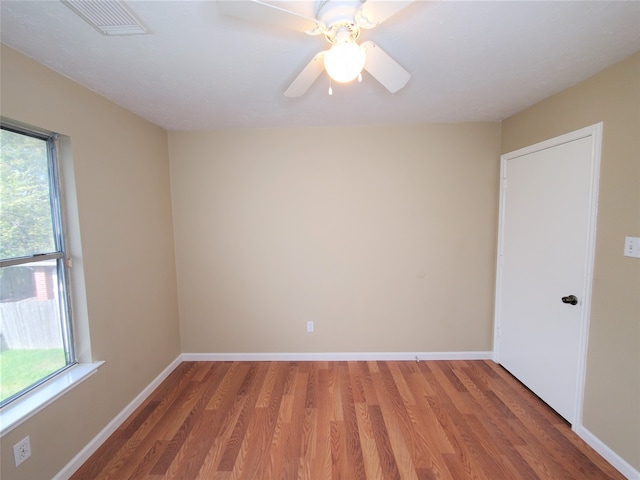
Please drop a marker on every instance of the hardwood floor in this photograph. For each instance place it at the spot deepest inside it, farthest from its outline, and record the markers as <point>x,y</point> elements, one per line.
<point>344,420</point>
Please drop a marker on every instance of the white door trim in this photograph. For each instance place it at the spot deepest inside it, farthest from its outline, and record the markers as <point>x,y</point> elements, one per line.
<point>595,132</point>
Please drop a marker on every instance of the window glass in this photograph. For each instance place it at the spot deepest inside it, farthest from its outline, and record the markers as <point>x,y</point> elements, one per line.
<point>25,210</point>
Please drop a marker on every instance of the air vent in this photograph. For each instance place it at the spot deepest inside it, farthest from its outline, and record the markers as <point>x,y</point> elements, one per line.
<point>109,17</point>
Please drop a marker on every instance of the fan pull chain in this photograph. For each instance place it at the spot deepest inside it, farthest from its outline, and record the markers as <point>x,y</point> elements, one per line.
<point>330,89</point>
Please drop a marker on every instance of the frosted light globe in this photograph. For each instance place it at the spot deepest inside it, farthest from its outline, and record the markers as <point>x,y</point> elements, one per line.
<point>344,61</point>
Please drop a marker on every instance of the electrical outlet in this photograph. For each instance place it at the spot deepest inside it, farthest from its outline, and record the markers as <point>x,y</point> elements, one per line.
<point>22,450</point>
<point>632,247</point>
<point>310,327</point>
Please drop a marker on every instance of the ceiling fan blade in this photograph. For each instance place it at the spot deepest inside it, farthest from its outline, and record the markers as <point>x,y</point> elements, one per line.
<point>265,13</point>
<point>307,76</point>
<point>374,12</point>
<point>384,68</point>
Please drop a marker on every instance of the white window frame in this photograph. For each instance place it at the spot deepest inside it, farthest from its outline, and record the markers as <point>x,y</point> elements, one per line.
<point>22,406</point>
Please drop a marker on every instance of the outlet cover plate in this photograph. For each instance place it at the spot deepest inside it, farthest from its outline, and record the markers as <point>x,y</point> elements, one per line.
<point>22,450</point>
<point>632,247</point>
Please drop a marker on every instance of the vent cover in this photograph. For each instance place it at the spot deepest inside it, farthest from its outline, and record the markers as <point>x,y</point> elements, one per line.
<point>109,17</point>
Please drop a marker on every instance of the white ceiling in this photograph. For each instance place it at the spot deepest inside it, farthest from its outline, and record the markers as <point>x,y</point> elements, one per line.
<point>470,61</point>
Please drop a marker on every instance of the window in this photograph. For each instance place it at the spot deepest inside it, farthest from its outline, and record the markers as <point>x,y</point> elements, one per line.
<point>35,322</point>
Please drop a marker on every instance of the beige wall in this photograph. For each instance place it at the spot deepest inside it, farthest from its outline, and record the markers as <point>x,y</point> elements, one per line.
<point>121,170</point>
<point>612,397</point>
<point>385,237</point>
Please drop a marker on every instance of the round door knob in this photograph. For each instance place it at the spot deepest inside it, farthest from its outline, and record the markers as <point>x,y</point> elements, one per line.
<point>571,300</point>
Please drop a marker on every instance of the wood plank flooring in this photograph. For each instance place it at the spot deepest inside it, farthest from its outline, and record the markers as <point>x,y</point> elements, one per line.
<point>344,420</point>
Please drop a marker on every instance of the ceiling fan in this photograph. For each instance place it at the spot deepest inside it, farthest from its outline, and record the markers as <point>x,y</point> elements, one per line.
<point>340,21</point>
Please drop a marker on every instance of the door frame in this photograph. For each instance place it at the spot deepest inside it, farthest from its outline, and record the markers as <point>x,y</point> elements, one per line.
<point>595,132</point>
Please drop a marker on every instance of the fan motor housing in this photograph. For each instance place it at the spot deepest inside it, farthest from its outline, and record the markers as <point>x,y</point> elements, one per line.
<point>332,12</point>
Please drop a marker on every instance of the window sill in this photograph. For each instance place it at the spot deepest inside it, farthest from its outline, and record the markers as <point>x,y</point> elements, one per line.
<point>27,406</point>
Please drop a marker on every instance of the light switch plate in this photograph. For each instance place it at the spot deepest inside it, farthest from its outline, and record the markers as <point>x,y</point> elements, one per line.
<point>632,247</point>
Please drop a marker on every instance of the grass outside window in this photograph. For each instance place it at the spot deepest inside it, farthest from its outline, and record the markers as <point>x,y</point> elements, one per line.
<point>21,368</point>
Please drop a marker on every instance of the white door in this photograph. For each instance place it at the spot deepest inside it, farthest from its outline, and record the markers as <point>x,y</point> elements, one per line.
<point>545,259</point>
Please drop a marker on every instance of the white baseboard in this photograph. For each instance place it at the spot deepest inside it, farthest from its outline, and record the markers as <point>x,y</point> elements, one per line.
<point>609,455</point>
<point>84,454</point>
<point>341,356</point>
